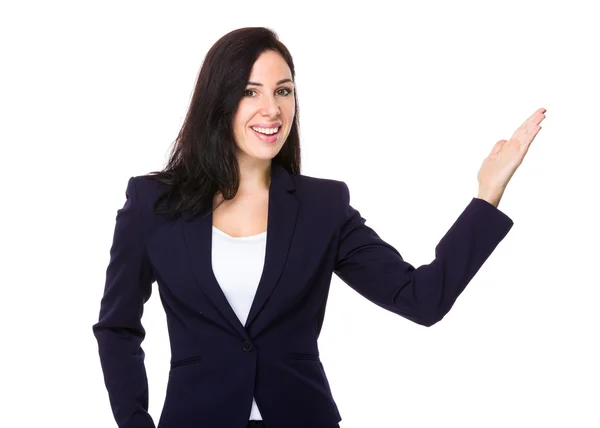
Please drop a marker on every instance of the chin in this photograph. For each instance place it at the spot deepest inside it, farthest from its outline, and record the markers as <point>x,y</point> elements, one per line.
<point>262,154</point>
<point>260,150</point>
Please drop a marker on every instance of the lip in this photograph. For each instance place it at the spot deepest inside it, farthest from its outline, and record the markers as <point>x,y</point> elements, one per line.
<point>267,125</point>
<point>267,138</point>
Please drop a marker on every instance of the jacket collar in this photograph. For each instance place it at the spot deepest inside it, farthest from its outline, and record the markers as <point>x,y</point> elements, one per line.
<point>282,215</point>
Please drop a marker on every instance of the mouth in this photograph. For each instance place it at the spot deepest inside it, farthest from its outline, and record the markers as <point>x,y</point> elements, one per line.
<point>266,134</point>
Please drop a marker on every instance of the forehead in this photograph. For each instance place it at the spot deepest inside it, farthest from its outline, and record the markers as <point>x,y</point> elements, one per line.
<point>269,68</point>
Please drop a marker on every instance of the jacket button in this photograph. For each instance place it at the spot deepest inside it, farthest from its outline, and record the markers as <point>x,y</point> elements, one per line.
<point>247,346</point>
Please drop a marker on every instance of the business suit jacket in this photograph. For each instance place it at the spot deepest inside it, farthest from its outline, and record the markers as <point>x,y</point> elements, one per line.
<point>218,364</point>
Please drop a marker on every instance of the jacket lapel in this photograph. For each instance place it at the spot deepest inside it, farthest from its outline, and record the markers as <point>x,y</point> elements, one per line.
<point>282,215</point>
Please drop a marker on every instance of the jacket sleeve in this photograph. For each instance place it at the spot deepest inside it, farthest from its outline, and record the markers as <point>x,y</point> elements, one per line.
<point>424,295</point>
<point>119,331</point>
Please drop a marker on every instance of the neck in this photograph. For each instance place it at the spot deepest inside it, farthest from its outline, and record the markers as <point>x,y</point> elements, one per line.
<point>255,175</point>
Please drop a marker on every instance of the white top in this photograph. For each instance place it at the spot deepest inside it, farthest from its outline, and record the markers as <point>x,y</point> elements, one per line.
<point>237,263</point>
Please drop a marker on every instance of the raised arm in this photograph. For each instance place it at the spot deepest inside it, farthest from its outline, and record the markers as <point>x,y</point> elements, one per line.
<point>119,331</point>
<point>424,295</point>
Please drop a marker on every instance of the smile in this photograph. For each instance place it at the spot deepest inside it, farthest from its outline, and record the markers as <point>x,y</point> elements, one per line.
<point>267,138</point>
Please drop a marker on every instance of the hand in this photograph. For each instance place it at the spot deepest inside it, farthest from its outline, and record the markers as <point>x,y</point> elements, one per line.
<point>506,156</point>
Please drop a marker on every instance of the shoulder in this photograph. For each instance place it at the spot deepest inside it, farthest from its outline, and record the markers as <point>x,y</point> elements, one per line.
<point>323,194</point>
<point>143,191</point>
<point>327,193</point>
<point>146,187</point>
<point>319,187</point>
<point>318,184</point>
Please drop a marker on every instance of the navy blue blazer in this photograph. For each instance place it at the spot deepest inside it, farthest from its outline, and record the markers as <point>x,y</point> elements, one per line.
<point>217,363</point>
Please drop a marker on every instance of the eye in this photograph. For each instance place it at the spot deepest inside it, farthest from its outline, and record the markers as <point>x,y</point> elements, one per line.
<point>286,92</point>
<point>289,91</point>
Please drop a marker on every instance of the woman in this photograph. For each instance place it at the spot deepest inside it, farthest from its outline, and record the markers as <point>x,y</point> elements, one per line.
<point>243,248</point>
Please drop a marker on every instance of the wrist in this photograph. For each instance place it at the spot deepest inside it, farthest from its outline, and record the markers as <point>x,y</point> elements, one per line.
<point>492,196</point>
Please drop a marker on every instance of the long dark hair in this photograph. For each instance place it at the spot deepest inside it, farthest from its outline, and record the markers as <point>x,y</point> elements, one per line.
<point>203,160</point>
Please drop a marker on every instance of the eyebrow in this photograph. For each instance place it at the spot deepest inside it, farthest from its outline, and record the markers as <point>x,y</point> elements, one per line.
<point>278,83</point>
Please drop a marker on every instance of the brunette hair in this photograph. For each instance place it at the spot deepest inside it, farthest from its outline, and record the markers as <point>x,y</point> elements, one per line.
<point>203,159</point>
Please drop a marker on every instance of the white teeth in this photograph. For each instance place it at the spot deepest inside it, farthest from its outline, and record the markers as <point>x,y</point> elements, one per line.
<point>267,131</point>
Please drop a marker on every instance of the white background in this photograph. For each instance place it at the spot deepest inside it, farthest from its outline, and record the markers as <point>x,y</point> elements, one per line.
<point>402,102</point>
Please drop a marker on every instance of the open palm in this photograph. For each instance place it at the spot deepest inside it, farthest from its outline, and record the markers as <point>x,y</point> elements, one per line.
<point>506,156</point>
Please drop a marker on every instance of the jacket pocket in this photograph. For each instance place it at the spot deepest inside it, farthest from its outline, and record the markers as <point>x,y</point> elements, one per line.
<point>301,356</point>
<point>186,361</point>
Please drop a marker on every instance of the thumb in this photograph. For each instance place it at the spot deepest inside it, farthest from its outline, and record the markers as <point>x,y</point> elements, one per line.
<point>497,147</point>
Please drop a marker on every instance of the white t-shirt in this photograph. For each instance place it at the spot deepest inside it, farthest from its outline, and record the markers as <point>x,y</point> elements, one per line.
<point>237,263</point>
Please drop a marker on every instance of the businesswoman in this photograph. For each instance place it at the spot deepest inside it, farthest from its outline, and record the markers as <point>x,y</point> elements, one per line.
<point>242,247</point>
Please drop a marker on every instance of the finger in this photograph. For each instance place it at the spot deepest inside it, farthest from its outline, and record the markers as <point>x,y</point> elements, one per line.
<point>523,136</point>
<point>535,132</point>
<point>539,115</point>
<point>536,117</point>
<point>529,128</point>
<point>532,136</point>
<point>535,125</point>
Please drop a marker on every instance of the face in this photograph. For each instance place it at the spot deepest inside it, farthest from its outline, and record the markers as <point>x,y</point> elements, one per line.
<point>268,104</point>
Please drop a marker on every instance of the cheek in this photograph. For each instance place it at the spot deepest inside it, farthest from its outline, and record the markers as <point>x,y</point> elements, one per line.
<point>242,117</point>
<point>288,111</point>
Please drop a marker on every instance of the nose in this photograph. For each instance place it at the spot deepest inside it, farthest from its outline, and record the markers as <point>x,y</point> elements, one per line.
<point>270,107</point>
